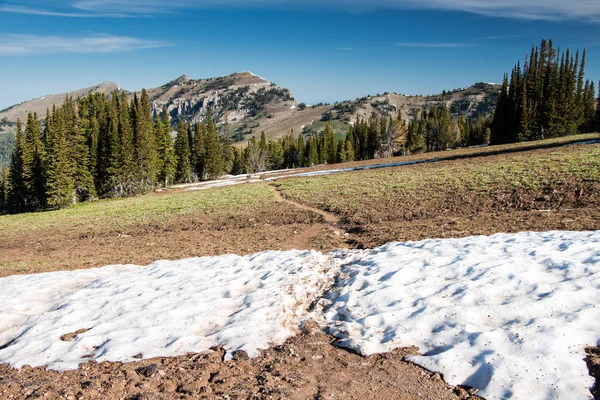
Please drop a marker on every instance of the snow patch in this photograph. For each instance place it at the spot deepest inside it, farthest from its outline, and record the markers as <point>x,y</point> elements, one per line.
<point>167,308</point>
<point>509,314</point>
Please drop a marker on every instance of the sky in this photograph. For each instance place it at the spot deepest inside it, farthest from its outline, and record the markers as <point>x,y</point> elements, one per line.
<point>322,50</point>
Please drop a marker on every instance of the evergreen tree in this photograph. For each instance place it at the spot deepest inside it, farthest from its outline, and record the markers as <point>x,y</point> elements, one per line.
<point>33,163</point>
<point>588,108</point>
<point>199,150</point>
<point>598,110</point>
<point>238,163</point>
<point>60,187</point>
<point>183,171</point>
<point>329,146</point>
<point>167,162</point>
<point>349,145</point>
<point>17,199</point>
<point>145,144</point>
<point>299,154</point>
<point>276,156</point>
<point>340,155</point>
<point>125,170</point>
<point>213,151</point>
<point>228,152</point>
<point>4,188</point>
<point>79,154</point>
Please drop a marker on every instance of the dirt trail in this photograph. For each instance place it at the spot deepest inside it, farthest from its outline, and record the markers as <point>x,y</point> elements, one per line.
<point>330,222</point>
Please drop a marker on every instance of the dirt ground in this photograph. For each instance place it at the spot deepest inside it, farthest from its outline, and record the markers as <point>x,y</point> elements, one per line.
<point>305,367</point>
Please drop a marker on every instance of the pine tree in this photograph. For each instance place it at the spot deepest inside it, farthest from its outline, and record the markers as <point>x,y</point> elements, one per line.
<point>79,153</point>
<point>229,153</point>
<point>300,150</point>
<point>182,154</point>
<point>33,163</point>
<point>276,156</point>
<point>414,141</point>
<point>145,145</point>
<point>4,188</point>
<point>340,155</point>
<point>588,108</point>
<point>17,199</point>
<point>329,146</point>
<point>60,187</point>
<point>199,150</point>
<point>167,162</point>
<point>125,169</point>
<point>213,151</point>
<point>238,163</point>
<point>349,145</point>
<point>372,138</point>
<point>598,110</point>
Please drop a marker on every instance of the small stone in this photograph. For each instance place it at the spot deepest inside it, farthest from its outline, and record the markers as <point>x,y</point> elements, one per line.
<point>240,355</point>
<point>461,393</point>
<point>148,371</point>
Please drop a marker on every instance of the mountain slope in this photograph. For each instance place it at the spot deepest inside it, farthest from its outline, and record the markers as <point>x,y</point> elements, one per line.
<point>244,105</point>
<point>41,104</point>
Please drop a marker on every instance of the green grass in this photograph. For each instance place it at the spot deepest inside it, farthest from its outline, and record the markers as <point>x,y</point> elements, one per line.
<point>117,214</point>
<point>485,176</point>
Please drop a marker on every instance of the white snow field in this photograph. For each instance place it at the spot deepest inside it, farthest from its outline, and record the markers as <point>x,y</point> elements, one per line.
<point>509,314</point>
<point>168,308</point>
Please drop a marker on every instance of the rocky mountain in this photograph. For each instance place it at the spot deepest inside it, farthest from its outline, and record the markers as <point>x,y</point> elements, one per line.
<point>244,105</point>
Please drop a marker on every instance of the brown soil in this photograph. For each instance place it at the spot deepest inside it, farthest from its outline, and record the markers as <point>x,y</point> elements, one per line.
<point>244,230</point>
<point>428,212</point>
<point>305,367</point>
<point>593,362</point>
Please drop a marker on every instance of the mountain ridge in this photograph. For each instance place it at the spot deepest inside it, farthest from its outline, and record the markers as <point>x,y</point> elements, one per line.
<point>244,104</point>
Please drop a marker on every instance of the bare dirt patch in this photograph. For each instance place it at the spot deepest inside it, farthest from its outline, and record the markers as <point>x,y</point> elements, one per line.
<point>593,362</point>
<point>531,191</point>
<point>153,231</point>
<point>305,367</point>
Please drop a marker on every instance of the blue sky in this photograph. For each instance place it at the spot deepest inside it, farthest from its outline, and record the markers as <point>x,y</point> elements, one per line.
<point>323,50</point>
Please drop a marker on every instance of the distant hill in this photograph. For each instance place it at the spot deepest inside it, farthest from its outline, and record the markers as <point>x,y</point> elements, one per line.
<point>251,104</point>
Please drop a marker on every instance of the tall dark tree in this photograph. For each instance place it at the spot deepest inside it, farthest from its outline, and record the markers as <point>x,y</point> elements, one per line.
<point>167,162</point>
<point>33,163</point>
<point>213,153</point>
<point>182,154</point>
<point>146,157</point>
<point>60,187</point>
<point>17,198</point>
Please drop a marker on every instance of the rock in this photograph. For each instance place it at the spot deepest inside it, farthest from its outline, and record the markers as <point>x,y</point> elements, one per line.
<point>148,371</point>
<point>240,355</point>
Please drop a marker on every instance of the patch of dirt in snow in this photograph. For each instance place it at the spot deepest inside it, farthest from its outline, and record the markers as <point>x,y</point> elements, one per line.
<point>306,366</point>
<point>593,363</point>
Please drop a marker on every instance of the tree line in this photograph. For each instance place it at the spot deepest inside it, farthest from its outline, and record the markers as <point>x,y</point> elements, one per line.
<point>546,97</point>
<point>113,146</point>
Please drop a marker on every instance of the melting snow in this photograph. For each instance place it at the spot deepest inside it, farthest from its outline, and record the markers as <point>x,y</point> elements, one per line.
<point>165,309</point>
<point>509,314</point>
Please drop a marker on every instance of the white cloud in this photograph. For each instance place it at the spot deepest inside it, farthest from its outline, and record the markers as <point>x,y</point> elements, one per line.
<point>39,11</point>
<point>434,45</point>
<point>588,10</point>
<point>17,45</point>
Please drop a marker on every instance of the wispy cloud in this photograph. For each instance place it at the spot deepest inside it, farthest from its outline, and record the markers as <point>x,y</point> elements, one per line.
<point>345,49</point>
<point>20,45</point>
<point>434,45</point>
<point>39,11</point>
<point>553,10</point>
